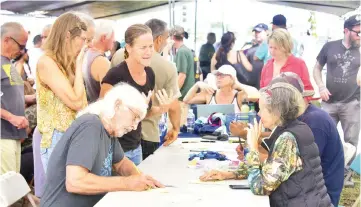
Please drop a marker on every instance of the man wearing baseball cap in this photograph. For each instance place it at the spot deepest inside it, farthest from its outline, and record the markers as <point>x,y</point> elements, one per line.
<point>279,21</point>
<point>326,137</point>
<point>262,53</point>
<point>341,93</point>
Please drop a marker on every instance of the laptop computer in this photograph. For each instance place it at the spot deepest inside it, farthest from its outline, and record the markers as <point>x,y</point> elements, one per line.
<point>204,110</point>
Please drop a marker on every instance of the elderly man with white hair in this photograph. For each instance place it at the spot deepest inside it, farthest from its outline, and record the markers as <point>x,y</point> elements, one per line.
<point>80,170</point>
<point>96,65</point>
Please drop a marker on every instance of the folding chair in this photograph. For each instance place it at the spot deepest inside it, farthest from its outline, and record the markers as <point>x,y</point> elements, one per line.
<point>13,187</point>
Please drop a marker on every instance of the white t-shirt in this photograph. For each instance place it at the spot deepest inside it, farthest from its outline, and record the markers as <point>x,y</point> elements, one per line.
<point>34,55</point>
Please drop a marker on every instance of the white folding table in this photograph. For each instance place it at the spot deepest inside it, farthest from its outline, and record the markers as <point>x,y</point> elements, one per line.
<point>169,165</point>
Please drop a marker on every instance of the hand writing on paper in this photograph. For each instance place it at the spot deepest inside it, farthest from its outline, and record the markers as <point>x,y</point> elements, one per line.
<point>141,182</point>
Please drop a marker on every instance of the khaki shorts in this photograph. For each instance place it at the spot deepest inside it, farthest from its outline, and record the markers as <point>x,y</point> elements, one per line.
<point>10,150</point>
<point>184,113</point>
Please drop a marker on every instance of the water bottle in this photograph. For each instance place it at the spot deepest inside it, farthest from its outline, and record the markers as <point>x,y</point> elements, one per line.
<point>243,116</point>
<point>190,121</point>
<point>161,124</point>
<point>252,114</point>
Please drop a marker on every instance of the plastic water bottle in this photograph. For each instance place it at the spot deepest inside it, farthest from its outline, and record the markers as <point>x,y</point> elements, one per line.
<point>243,116</point>
<point>161,124</point>
<point>252,114</point>
<point>190,121</point>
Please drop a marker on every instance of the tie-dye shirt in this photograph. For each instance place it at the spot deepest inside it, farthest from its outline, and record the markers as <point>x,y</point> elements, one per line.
<point>266,177</point>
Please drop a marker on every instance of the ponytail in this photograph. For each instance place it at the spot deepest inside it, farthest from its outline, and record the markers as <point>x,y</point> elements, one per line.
<point>221,57</point>
<point>227,42</point>
<point>126,54</point>
<point>185,35</point>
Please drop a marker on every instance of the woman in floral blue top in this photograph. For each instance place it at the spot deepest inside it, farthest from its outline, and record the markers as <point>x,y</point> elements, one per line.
<point>286,175</point>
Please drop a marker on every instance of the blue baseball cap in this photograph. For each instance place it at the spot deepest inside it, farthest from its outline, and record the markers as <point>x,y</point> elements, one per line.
<point>279,20</point>
<point>260,27</point>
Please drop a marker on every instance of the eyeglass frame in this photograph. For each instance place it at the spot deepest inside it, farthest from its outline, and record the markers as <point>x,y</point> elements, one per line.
<point>21,47</point>
<point>358,33</point>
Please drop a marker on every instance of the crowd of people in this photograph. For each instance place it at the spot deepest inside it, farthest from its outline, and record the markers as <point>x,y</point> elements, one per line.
<point>81,121</point>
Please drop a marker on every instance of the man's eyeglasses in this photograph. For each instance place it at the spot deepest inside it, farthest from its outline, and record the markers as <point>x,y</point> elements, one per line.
<point>21,47</point>
<point>136,116</point>
<point>358,33</point>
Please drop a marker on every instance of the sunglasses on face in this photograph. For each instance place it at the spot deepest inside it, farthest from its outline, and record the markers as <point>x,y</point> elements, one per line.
<point>221,75</point>
<point>21,47</point>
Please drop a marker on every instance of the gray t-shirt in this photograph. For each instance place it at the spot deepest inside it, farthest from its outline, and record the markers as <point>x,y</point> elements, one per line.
<point>342,67</point>
<point>12,100</point>
<point>87,144</point>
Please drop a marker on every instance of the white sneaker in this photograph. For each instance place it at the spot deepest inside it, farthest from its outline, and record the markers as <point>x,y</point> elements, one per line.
<point>349,152</point>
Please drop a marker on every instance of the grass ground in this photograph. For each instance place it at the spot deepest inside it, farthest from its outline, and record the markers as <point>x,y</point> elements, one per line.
<point>349,195</point>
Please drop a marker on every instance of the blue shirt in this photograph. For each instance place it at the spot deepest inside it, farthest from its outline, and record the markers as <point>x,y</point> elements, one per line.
<point>330,147</point>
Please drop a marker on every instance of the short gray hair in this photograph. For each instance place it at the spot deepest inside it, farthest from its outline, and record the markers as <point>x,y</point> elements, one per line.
<point>88,20</point>
<point>47,27</point>
<point>121,91</point>
<point>103,27</point>
<point>11,27</point>
<point>284,101</point>
<point>157,26</point>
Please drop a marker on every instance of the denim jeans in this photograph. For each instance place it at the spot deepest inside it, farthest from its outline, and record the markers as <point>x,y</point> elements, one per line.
<point>149,148</point>
<point>46,152</point>
<point>135,155</point>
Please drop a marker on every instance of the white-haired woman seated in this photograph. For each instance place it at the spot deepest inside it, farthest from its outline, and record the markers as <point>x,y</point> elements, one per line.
<point>292,173</point>
<point>80,168</point>
<point>228,91</point>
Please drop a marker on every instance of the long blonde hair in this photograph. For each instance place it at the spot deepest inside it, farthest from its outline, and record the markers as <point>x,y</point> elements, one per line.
<point>56,47</point>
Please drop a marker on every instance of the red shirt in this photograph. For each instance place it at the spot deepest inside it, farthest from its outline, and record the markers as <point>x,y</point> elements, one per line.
<point>293,64</point>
